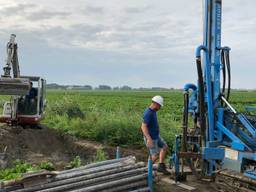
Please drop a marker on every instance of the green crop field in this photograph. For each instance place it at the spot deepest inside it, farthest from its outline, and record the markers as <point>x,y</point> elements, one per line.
<point>114,117</point>
<point>110,117</point>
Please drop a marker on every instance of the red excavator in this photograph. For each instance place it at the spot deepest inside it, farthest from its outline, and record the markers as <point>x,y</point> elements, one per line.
<point>27,93</point>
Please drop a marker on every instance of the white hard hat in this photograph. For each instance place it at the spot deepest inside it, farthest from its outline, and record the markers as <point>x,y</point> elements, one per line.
<point>158,99</point>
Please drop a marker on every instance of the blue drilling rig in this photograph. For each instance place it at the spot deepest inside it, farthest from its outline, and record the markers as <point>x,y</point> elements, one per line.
<point>215,136</point>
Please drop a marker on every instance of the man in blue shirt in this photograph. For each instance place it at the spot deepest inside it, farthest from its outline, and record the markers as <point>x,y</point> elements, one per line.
<point>150,128</point>
<point>32,94</point>
<point>31,100</point>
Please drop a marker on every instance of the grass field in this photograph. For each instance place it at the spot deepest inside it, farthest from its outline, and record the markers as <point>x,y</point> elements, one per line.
<point>114,117</point>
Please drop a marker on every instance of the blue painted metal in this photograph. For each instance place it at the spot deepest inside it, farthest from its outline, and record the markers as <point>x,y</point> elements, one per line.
<point>221,121</point>
<point>251,174</point>
<point>213,153</point>
<point>238,135</point>
<point>118,155</point>
<point>190,86</point>
<point>215,53</point>
<point>176,157</point>
<point>236,142</point>
<point>193,104</point>
<point>247,125</point>
<point>150,174</point>
<point>216,130</point>
<point>249,141</point>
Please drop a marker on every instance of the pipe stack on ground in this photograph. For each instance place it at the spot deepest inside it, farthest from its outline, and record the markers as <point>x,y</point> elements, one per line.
<point>107,176</point>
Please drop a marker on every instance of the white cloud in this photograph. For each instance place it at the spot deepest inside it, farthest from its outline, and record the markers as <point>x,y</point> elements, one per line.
<point>106,37</point>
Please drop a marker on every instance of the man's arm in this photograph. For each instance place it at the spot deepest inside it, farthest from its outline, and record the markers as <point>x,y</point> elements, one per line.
<point>144,129</point>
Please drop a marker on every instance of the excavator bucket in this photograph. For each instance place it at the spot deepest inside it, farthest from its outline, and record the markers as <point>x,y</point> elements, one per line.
<point>14,86</point>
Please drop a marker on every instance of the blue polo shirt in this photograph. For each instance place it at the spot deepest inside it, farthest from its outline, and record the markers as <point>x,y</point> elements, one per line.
<point>150,119</point>
<point>32,93</point>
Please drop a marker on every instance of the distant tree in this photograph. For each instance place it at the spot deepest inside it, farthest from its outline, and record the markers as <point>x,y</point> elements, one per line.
<point>55,86</point>
<point>115,88</point>
<point>125,87</point>
<point>104,87</point>
<point>159,89</point>
<point>87,87</point>
<point>143,89</point>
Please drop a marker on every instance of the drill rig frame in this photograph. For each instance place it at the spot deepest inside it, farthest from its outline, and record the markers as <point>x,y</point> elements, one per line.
<point>220,138</point>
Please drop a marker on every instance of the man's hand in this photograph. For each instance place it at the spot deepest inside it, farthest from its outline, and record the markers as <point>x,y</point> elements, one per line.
<point>149,143</point>
<point>144,129</point>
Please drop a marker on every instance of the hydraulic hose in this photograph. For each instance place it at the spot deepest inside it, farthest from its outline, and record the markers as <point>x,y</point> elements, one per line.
<point>185,121</point>
<point>229,73</point>
<point>223,72</point>
<point>201,100</point>
<point>226,69</point>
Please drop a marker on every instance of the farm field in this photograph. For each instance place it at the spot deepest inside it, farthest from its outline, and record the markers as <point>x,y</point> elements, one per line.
<point>114,117</point>
<point>101,120</point>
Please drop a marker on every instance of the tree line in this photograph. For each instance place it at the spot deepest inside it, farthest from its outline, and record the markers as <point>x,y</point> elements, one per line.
<point>103,87</point>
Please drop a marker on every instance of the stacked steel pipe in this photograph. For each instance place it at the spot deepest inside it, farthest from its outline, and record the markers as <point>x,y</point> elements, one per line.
<point>107,176</point>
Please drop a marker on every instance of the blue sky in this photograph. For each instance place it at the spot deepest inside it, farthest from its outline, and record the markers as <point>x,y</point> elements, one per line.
<point>140,43</point>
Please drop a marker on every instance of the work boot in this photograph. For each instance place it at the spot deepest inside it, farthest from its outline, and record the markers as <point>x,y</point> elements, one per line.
<point>162,168</point>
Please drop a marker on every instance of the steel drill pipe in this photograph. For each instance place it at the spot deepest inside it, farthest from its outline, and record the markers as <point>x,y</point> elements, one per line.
<point>112,184</point>
<point>96,181</point>
<point>102,163</point>
<point>92,170</point>
<point>83,178</point>
<point>145,189</point>
<point>129,186</point>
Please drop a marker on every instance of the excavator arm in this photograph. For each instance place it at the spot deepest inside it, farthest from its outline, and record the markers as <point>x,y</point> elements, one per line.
<point>13,84</point>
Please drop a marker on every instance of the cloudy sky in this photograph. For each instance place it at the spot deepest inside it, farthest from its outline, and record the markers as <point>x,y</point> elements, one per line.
<point>140,43</point>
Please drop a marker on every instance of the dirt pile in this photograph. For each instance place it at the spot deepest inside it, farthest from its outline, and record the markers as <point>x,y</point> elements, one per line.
<point>41,145</point>
<point>38,145</point>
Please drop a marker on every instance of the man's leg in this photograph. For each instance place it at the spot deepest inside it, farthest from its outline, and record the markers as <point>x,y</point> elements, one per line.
<point>153,151</point>
<point>163,150</point>
<point>162,154</point>
<point>154,158</point>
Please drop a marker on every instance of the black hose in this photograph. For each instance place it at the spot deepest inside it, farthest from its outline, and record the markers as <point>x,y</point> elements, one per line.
<point>185,121</point>
<point>201,109</point>
<point>223,61</point>
<point>229,74</point>
<point>201,100</point>
<point>223,72</point>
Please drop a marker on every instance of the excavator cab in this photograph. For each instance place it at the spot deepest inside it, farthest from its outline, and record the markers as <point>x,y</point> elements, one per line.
<point>30,110</point>
<point>27,103</point>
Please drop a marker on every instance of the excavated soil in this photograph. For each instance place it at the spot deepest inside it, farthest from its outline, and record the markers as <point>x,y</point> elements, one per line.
<point>45,144</point>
